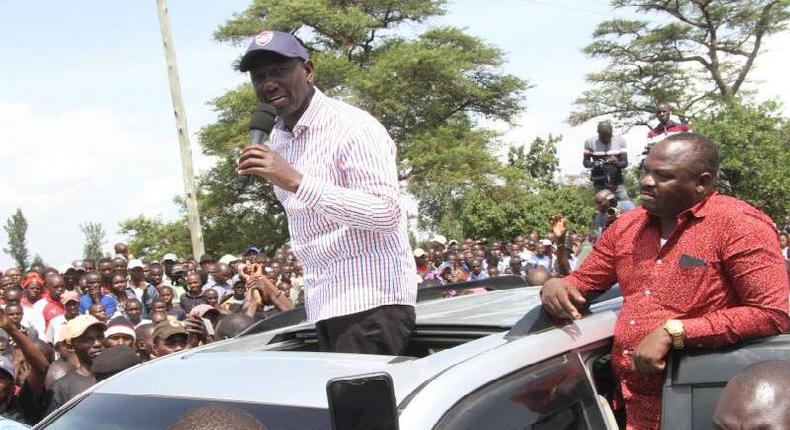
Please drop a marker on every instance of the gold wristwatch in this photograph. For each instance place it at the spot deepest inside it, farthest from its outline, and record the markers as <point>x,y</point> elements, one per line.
<point>675,330</point>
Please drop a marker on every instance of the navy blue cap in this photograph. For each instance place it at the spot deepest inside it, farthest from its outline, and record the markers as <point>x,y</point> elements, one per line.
<point>278,42</point>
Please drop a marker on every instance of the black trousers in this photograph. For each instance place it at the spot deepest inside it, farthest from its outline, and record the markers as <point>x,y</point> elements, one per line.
<point>384,330</point>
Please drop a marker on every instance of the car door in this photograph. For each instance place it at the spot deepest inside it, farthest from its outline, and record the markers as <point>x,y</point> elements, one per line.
<point>554,394</point>
<point>695,379</point>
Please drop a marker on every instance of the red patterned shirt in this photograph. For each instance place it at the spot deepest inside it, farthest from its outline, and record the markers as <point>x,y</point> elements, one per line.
<point>720,272</point>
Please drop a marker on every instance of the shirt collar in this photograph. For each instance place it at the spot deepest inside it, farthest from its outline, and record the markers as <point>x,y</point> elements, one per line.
<point>308,118</point>
<point>701,209</point>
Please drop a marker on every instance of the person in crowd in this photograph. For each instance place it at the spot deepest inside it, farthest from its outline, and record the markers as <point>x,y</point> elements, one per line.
<point>99,312</point>
<point>214,416</point>
<point>179,273</point>
<point>105,270</point>
<point>193,296</point>
<point>89,265</point>
<point>172,308</point>
<point>119,266</point>
<point>114,359</point>
<point>231,325</point>
<point>221,286</point>
<point>236,301</point>
<point>696,270</point>
<point>168,261</point>
<point>137,281</point>
<point>33,286</point>
<point>144,341</point>
<point>159,316</point>
<point>537,276</point>
<point>758,397</point>
<point>784,245</point>
<point>476,270</point>
<point>71,302</point>
<point>606,155</point>
<point>27,405</point>
<point>543,257</point>
<point>52,307</point>
<point>609,209</point>
<point>122,250</point>
<point>83,337</point>
<point>665,126</point>
<point>119,332</point>
<point>95,296</point>
<point>169,337</point>
<point>210,297</point>
<point>12,296</point>
<point>16,277</point>
<point>515,267</point>
<point>359,201</point>
<point>133,312</point>
<point>121,292</point>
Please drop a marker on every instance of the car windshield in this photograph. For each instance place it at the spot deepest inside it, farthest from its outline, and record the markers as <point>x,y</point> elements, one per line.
<point>123,412</point>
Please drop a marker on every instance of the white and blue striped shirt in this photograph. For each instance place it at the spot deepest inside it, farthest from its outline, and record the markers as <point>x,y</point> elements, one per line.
<point>347,222</point>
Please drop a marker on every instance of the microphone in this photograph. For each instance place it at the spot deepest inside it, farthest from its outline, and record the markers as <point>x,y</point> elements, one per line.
<point>261,124</point>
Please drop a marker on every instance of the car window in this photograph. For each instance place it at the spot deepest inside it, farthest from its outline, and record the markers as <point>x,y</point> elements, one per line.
<point>553,394</point>
<point>124,412</point>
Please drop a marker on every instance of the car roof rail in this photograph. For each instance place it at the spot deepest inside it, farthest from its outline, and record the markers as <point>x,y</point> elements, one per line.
<point>537,320</point>
<point>276,321</point>
<point>506,282</point>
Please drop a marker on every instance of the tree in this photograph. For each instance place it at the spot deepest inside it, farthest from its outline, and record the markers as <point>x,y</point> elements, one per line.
<point>94,240</point>
<point>540,163</point>
<point>427,91</point>
<point>16,229</point>
<point>698,56</point>
<point>153,238</point>
<point>38,261</point>
<point>754,145</point>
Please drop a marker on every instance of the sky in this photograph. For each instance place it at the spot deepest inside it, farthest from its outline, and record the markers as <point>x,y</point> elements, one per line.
<point>86,125</point>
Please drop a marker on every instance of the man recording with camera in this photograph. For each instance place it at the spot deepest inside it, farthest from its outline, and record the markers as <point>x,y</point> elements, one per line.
<point>606,155</point>
<point>609,209</point>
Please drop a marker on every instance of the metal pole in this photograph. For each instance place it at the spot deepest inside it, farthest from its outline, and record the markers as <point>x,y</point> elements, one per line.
<point>193,218</point>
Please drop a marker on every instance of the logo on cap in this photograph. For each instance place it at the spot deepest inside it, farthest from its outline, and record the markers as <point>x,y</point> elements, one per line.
<point>264,38</point>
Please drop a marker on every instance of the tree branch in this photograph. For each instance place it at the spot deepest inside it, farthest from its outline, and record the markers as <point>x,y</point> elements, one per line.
<point>758,37</point>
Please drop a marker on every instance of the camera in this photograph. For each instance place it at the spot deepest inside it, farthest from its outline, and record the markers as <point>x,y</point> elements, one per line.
<point>613,213</point>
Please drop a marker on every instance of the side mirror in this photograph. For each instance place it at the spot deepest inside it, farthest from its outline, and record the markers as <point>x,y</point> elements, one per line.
<point>362,402</point>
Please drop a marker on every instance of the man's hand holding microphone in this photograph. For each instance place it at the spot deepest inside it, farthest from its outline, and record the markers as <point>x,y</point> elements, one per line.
<point>258,159</point>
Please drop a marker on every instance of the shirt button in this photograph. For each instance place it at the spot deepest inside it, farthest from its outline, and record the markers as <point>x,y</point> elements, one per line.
<point>625,352</point>
<point>632,322</point>
<point>659,261</point>
<point>647,293</point>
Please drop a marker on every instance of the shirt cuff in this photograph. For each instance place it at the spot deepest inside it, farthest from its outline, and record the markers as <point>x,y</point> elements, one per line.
<point>696,331</point>
<point>310,191</point>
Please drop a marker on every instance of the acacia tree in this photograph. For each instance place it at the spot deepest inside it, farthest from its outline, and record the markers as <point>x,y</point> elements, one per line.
<point>427,91</point>
<point>16,229</point>
<point>697,57</point>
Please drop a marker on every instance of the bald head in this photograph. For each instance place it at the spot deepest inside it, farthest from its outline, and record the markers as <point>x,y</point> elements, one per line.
<point>756,398</point>
<point>232,325</point>
<point>538,276</point>
<point>603,195</point>
<point>697,150</point>
<point>217,416</point>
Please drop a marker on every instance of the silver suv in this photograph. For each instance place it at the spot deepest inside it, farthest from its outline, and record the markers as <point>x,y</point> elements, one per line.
<point>490,360</point>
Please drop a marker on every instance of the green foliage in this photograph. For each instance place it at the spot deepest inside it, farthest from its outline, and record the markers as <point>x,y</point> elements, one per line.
<point>504,212</point>
<point>153,238</point>
<point>540,163</point>
<point>426,91</point>
<point>754,145</point>
<point>16,229</point>
<point>38,261</point>
<point>697,56</point>
<point>94,240</point>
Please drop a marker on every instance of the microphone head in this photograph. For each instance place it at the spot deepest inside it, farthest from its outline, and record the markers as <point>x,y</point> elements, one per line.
<point>263,118</point>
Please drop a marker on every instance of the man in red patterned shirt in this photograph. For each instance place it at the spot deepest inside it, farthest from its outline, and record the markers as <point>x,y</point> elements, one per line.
<point>696,269</point>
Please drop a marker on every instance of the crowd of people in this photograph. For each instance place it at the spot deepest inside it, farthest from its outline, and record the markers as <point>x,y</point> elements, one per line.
<point>63,330</point>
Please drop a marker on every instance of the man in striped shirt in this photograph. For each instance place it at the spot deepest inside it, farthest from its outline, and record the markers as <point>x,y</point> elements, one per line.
<point>333,169</point>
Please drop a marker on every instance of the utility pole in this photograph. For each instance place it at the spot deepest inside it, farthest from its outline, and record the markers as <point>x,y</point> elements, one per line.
<point>190,192</point>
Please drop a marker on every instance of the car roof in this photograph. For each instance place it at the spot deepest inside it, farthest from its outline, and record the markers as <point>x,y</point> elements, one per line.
<point>299,378</point>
